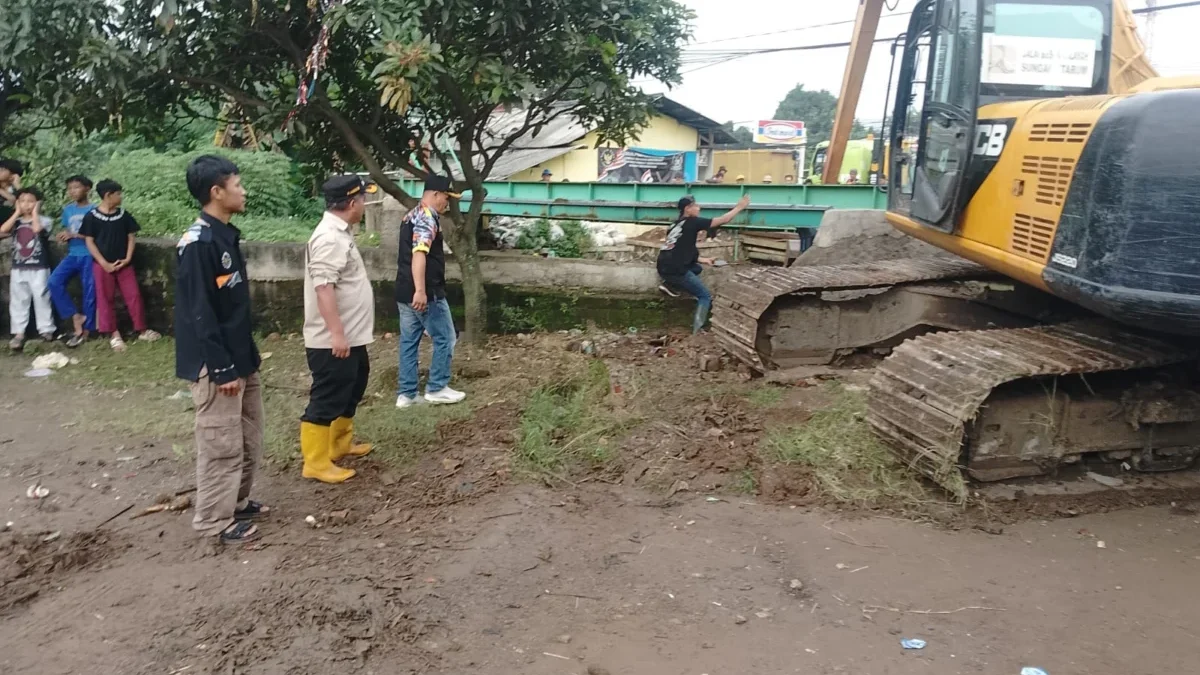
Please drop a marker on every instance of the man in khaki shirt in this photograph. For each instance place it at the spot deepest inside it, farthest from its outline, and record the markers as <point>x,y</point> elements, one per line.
<point>339,323</point>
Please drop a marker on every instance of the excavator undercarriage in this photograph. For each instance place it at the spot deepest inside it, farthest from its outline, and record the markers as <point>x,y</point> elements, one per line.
<point>985,376</point>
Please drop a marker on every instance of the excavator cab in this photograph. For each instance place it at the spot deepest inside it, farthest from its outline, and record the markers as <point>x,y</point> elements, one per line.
<point>1029,49</point>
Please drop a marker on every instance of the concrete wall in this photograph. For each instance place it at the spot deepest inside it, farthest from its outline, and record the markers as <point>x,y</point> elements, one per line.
<point>624,292</point>
<point>754,164</point>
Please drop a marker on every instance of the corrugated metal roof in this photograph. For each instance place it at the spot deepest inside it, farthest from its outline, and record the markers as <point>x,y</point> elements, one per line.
<point>558,137</point>
<point>562,135</point>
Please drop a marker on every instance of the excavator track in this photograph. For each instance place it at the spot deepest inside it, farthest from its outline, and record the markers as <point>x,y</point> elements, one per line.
<point>744,298</point>
<point>926,396</point>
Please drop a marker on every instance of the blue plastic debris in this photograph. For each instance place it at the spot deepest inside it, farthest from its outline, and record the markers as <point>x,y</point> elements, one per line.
<point>914,643</point>
<point>1033,671</point>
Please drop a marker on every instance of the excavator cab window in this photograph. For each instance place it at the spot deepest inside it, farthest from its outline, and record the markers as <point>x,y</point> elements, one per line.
<point>1045,49</point>
<point>946,33</point>
<point>960,54</point>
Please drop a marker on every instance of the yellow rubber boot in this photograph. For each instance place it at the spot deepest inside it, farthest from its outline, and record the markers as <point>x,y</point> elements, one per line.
<point>315,446</point>
<point>342,433</point>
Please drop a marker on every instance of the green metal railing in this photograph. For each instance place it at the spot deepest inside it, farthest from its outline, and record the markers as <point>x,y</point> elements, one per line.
<point>772,207</point>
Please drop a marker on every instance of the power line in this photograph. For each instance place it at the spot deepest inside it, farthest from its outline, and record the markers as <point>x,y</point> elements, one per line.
<point>719,57</point>
<point>791,30</point>
<point>1162,8</point>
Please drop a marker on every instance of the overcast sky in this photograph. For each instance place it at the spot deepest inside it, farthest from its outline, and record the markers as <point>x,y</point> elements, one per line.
<point>751,87</point>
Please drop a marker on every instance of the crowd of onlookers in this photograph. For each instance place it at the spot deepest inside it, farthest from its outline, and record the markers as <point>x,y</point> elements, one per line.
<point>100,241</point>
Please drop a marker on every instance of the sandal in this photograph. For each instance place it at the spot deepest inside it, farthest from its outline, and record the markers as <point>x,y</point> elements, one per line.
<point>76,340</point>
<point>239,533</point>
<point>117,343</point>
<point>17,343</point>
<point>253,511</point>
<point>149,336</point>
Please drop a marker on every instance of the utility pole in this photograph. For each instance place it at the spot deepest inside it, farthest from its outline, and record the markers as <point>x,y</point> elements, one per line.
<point>1151,5</point>
<point>865,26</point>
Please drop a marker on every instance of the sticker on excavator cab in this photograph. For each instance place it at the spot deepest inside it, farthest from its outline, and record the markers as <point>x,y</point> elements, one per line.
<point>1065,260</point>
<point>990,138</point>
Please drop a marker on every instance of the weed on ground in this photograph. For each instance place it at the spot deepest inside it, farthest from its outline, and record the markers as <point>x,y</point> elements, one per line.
<point>847,462</point>
<point>568,423</point>
<point>765,396</point>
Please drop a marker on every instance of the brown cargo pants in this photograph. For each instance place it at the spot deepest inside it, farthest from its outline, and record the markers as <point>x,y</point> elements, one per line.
<point>229,444</point>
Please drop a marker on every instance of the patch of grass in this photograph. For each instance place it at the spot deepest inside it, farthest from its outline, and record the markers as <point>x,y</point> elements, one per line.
<point>400,436</point>
<point>746,482</point>
<point>567,422</point>
<point>849,463</point>
<point>143,364</point>
<point>765,396</point>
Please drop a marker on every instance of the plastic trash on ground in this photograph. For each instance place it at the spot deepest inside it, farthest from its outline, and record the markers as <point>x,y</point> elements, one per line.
<point>53,360</point>
<point>914,643</point>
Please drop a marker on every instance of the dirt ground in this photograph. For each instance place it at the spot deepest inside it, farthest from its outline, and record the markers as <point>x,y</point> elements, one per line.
<point>602,506</point>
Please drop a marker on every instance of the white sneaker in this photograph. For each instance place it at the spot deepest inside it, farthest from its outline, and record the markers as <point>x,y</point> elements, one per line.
<point>403,401</point>
<point>444,396</point>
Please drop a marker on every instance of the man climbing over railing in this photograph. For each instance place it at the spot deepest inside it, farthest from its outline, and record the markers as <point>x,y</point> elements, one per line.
<point>679,261</point>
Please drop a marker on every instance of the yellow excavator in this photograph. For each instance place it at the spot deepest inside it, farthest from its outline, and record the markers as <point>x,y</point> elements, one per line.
<point>1059,171</point>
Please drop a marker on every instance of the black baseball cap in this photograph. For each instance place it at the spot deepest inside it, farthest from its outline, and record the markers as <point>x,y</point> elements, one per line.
<point>685,202</point>
<point>343,187</point>
<point>436,183</point>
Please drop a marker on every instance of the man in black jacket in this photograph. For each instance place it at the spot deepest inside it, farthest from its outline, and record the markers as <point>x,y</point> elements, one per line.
<point>215,351</point>
<point>421,297</point>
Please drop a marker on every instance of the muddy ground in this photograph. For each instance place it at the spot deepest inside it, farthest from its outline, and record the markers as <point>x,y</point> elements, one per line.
<point>602,505</point>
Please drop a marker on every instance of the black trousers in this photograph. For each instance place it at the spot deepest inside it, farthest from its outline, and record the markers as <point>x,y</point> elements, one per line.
<point>338,385</point>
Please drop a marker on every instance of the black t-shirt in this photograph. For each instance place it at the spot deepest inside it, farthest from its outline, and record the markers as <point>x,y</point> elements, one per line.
<point>111,232</point>
<point>421,232</point>
<point>679,252</point>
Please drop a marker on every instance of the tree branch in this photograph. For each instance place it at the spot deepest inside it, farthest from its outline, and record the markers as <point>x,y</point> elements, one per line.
<point>346,130</point>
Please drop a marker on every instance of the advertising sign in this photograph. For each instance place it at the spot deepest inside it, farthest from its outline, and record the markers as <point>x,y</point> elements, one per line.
<point>1038,62</point>
<point>780,132</point>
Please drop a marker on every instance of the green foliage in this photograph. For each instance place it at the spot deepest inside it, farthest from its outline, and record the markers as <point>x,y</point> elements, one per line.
<point>56,57</point>
<point>743,136</point>
<point>816,109</point>
<point>155,191</point>
<point>574,242</point>
<point>52,155</point>
<point>399,70</point>
<point>566,423</point>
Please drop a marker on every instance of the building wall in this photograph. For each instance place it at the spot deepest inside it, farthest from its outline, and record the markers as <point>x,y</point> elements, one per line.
<point>755,163</point>
<point>579,166</point>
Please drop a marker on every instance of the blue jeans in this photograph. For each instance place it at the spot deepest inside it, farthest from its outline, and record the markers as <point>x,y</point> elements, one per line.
<point>63,304</point>
<point>807,234</point>
<point>689,282</point>
<point>435,320</point>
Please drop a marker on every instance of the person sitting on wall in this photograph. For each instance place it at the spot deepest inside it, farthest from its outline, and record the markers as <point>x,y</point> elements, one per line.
<point>679,260</point>
<point>852,179</point>
<point>718,177</point>
<point>547,177</point>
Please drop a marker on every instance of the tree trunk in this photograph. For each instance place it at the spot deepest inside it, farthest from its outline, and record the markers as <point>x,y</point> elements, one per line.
<point>466,252</point>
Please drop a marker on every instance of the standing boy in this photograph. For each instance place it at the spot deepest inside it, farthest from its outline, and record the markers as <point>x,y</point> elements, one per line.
<point>421,296</point>
<point>77,263</point>
<point>30,267</point>
<point>109,232</point>
<point>339,323</point>
<point>679,260</point>
<point>215,351</point>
